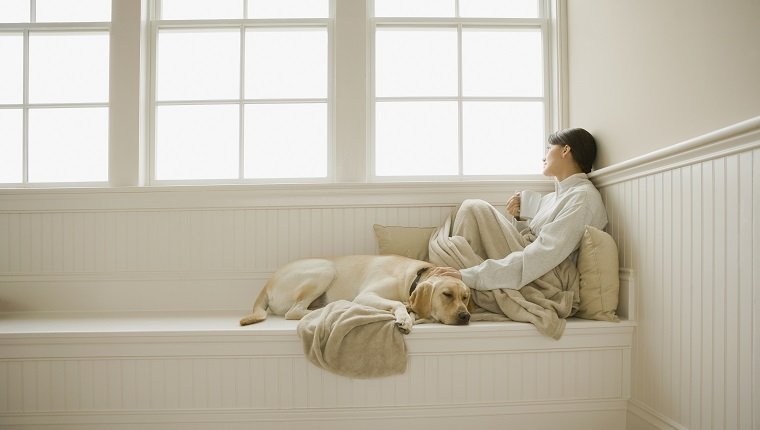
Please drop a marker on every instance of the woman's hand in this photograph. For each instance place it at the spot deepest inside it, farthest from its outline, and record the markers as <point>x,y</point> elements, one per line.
<point>513,205</point>
<point>446,271</point>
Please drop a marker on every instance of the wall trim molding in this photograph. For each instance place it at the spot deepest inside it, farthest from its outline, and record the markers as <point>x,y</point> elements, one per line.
<point>652,417</point>
<point>740,137</point>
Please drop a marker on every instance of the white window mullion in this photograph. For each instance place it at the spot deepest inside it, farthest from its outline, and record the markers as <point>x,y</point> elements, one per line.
<point>241,102</point>
<point>32,19</point>
<point>126,147</point>
<point>371,117</point>
<point>549,118</point>
<point>459,96</point>
<point>351,137</point>
<point>25,108</point>
<point>150,162</point>
<point>555,16</point>
<point>330,102</point>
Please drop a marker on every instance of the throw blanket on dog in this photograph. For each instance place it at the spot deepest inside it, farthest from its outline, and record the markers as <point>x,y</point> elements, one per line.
<point>544,302</point>
<point>353,340</point>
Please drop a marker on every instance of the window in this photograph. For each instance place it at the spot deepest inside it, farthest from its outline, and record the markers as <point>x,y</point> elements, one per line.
<point>460,87</point>
<point>241,90</point>
<point>54,91</point>
<point>160,92</point>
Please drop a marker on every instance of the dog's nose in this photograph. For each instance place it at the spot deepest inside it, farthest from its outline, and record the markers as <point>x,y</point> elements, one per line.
<point>463,317</point>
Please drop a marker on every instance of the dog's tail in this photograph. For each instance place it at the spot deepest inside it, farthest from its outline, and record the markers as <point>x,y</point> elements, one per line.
<point>259,309</point>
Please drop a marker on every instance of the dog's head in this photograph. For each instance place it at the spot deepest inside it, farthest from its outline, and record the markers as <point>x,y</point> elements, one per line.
<point>443,299</point>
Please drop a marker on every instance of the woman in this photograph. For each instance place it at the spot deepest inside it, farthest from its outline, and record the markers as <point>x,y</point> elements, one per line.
<point>531,248</point>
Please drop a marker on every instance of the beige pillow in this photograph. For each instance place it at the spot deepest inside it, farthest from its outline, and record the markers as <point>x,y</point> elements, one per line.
<point>410,242</point>
<point>599,272</point>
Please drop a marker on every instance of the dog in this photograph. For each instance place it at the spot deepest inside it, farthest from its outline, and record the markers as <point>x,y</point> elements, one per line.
<point>385,282</point>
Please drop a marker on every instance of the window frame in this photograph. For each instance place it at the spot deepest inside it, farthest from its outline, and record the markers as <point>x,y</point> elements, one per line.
<point>351,108</point>
<point>550,26</point>
<point>25,28</point>
<point>243,25</point>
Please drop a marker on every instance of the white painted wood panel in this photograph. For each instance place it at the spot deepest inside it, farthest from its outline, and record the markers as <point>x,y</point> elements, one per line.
<point>98,372</point>
<point>688,228</point>
<point>290,382</point>
<point>114,260</point>
<point>202,248</point>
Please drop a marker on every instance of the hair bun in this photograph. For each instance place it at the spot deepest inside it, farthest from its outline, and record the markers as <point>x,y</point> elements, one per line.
<point>582,145</point>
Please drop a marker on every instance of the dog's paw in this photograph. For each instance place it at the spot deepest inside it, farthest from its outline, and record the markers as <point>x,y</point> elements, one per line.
<point>402,328</point>
<point>404,324</point>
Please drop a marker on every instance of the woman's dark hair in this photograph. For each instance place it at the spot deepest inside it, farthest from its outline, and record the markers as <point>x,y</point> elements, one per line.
<point>581,143</point>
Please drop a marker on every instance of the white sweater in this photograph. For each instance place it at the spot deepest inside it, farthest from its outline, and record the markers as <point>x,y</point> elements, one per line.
<point>558,226</point>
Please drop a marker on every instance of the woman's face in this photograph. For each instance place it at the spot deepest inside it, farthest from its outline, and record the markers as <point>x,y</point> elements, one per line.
<point>553,159</point>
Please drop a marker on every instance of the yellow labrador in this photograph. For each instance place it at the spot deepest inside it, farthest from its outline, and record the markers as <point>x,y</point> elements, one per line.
<point>386,282</point>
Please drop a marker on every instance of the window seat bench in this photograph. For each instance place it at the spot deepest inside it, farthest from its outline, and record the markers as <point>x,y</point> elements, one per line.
<point>106,321</point>
<point>201,370</point>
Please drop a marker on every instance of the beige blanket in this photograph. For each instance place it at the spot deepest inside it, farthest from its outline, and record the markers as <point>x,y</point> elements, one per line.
<point>353,340</point>
<point>544,302</point>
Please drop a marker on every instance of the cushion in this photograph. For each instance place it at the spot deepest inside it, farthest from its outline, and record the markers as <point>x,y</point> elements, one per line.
<point>409,242</point>
<point>599,276</point>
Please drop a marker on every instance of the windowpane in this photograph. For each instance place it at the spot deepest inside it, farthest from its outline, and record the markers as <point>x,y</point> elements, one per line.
<point>73,10</point>
<point>12,69</point>
<point>68,145</point>
<point>498,8</point>
<point>68,67</point>
<point>202,9</point>
<point>14,11</point>
<point>288,9</point>
<point>286,64</point>
<point>416,62</point>
<point>503,138</point>
<point>416,138</point>
<point>286,140</point>
<point>415,8</point>
<point>197,142</point>
<point>198,65</point>
<point>11,145</point>
<point>502,63</point>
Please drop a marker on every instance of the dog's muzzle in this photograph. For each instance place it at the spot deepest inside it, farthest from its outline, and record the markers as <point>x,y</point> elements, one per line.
<point>463,318</point>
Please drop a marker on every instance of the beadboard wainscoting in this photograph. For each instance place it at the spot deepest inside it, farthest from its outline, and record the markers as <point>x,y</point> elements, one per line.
<point>147,249</point>
<point>120,309</point>
<point>485,374</point>
<point>117,260</point>
<point>687,222</point>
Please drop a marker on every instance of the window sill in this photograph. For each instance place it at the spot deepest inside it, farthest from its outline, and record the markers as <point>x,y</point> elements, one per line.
<point>264,195</point>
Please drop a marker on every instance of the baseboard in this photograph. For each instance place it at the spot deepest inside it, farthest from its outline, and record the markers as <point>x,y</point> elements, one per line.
<point>581,415</point>
<point>641,417</point>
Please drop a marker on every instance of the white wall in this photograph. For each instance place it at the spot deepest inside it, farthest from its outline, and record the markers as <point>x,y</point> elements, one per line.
<point>645,74</point>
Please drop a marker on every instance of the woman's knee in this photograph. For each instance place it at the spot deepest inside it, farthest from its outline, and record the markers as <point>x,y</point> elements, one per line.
<point>471,205</point>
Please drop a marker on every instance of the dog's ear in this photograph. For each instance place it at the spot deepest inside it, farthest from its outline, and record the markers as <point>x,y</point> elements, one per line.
<point>471,302</point>
<point>421,302</point>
